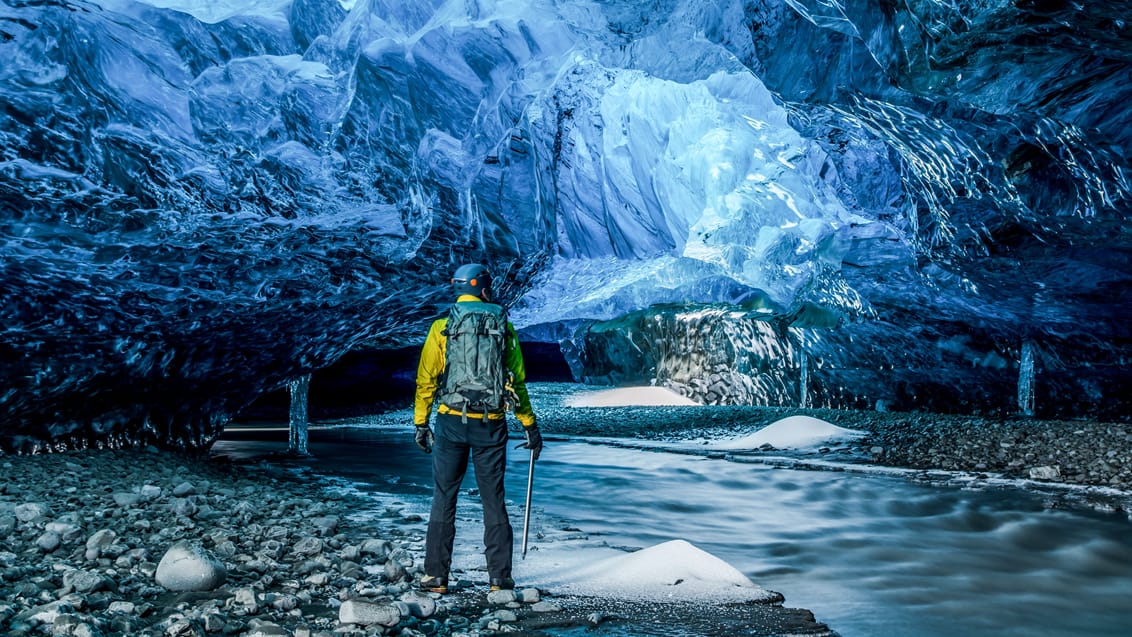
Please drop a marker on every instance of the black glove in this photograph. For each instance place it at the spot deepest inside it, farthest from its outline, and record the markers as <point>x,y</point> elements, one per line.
<point>534,440</point>
<point>423,438</point>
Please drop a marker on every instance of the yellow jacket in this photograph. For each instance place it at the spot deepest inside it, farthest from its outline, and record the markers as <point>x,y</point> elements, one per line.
<point>433,357</point>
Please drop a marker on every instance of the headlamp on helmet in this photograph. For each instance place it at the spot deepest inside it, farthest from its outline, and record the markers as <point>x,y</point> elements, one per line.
<point>473,279</point>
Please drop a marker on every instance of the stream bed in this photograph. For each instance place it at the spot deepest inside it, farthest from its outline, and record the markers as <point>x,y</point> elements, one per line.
<point>871,552</point>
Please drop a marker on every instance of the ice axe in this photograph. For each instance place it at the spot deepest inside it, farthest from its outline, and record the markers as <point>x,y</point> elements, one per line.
<point>527,511</point>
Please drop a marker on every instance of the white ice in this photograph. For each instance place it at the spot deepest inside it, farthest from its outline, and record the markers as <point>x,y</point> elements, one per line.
<point>213,11</point>
<point>793,432</point>
<point>628,396</point>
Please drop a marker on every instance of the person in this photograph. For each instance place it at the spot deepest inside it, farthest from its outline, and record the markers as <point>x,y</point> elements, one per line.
<point>460,431</point>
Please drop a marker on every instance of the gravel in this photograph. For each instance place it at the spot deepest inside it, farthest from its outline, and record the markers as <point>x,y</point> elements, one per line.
<point>205,547</point>
<point>159,544</point>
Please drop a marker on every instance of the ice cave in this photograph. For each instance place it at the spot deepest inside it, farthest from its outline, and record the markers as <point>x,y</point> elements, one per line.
<point>879,204</point>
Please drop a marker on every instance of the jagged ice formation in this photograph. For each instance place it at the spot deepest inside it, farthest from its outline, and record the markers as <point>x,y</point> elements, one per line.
<point>200,201</point>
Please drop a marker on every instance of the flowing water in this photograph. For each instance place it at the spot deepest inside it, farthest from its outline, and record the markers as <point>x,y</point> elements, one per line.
<point>871,554</point>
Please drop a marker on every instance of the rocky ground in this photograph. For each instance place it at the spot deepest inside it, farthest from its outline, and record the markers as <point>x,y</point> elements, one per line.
<point>148,543</point>
<point>87,538</point>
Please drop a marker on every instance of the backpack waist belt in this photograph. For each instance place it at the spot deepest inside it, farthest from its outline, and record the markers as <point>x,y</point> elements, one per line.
<point>445,409</point>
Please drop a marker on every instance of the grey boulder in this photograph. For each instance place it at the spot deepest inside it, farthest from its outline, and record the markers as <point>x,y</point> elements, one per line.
<point>189,567</point>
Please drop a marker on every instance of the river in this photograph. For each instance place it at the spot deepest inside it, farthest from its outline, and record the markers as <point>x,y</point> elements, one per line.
<point>871,552</point>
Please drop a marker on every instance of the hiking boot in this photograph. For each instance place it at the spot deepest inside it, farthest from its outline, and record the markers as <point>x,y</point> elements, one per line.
<point>502,584</point>
<point>433,584</point>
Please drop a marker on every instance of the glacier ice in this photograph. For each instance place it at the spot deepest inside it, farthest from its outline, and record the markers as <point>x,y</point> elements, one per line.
<point>202,201</point>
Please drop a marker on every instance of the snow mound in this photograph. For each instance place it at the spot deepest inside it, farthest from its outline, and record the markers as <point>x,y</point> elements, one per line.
<point>674,570</point>
<point>793,432</point>
<point>629,396</point>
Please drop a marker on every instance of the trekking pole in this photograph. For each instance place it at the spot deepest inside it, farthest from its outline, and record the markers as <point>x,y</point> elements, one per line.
<point>527,512</point>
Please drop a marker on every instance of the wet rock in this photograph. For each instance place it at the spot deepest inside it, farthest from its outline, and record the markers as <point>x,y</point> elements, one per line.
<point>48,542</point>
<point>123,607</point>
<point>307,546</point>
<point>394,571</point>
<point>596,618</point>
<point>403,556</point>
<point>246,600</point>
<point>30,512</point>
<point>1045,473</point>
<point>189,567</point>
<point>65,624</point>
<point>285,602</point>
<point>99,540</point>
<point>184,507</point>
<point>214,623</point>
<point>48,612</point>
<point>325,525</point>
<point>501,597</point>
<point>368,613</point>
<point>502,616</point>
<point>67,530</point>
<point>225,549</point>
<point>82,581</point>
<point>419,605</point>
<point>179,627</point>
<point>257,628</point>
<point>546,607</point>
<point>318,579</point>
<point>379,548</point>
<point>126,500</point>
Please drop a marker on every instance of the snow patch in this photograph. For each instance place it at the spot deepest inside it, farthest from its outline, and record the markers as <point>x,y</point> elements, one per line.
<point>629,396</point>
<point>672,571</point>
<point>793,432</point>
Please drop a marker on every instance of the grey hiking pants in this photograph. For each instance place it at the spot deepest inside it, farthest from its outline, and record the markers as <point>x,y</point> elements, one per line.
<point>486,441</point>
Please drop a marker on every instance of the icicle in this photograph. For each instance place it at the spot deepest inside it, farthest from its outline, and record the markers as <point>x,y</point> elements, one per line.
<point>298,439</point>
<point>1026,379</point>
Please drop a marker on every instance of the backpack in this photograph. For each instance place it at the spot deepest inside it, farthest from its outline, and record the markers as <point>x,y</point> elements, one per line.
<point>475,375</point>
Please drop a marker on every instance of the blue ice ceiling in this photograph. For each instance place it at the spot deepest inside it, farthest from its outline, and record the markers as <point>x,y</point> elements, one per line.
<point>202,200</point>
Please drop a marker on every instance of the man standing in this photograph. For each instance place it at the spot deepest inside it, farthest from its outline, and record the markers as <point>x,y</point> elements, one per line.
<point>472,367</point>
